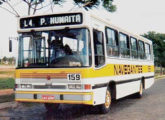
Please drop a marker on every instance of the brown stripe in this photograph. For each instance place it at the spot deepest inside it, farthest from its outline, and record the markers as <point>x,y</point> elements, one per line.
<point>43,75</point>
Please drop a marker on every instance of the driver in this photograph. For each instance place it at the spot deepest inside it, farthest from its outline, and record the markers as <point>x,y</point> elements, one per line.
<point>57,48</point>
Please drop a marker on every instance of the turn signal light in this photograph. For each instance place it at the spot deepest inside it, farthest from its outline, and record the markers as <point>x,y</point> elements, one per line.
<point>87,86</point>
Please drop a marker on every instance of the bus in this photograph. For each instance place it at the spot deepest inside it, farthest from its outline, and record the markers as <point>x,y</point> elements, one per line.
<point>79,58</point>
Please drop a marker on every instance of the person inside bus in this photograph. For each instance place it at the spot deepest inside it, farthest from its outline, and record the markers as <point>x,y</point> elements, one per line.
<point>57,49</point>
<point>68,50</point>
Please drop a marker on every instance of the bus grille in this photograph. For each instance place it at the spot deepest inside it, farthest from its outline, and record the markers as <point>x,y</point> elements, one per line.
<point>49,87</point>
<point>44,75</point>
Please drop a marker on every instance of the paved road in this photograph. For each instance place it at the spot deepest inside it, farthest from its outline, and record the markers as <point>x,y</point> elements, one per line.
<point>150,107</point>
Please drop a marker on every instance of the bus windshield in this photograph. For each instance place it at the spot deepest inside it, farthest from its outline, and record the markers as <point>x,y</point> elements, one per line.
<point>58,48</point>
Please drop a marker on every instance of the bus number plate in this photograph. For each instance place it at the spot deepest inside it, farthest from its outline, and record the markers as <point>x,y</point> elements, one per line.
<point>48,97</point>
<point>74,77</point>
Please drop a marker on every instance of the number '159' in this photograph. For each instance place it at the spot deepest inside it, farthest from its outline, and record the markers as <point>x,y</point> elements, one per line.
<point>74,77</point>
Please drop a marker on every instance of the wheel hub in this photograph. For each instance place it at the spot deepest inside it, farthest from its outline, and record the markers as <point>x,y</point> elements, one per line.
<point>107,100</point>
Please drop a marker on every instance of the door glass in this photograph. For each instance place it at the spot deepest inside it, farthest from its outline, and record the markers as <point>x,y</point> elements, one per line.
<point>98,48</point>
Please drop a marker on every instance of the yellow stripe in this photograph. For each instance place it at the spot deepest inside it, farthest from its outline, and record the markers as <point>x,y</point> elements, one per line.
<point>106,71</point>
<point>56,101</point>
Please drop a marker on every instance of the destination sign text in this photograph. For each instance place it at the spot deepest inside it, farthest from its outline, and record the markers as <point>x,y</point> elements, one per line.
<point>51,20</point>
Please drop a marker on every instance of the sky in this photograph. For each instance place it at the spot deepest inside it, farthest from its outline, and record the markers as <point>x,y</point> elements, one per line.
<point>136,16</point>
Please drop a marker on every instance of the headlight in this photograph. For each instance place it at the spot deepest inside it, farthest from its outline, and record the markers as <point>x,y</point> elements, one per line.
<point>78,86</point>
<point>26,86</point>
<point>23,86</point>
<point>71,86</point>
<point>74,86</point>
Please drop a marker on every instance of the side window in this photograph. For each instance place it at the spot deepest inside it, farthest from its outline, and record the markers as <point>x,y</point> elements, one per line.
<point>124,46</point>
<point>134,48</point>
<point>141,51</point>
<point>112,42</point>
<point>147,51</point>
<point>98,48</point>
<point>152,54</point>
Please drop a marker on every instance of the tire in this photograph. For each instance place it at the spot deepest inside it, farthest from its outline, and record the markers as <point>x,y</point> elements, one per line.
<point>51,106</point>
<point>140,93</point>
<point>105,108</point>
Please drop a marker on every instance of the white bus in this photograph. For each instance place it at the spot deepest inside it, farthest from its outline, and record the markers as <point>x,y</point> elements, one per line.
<point>80,58</point>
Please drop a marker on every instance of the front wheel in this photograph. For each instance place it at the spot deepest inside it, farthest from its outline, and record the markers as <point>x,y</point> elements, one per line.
<point>52,106</point>
<point>105,108</point>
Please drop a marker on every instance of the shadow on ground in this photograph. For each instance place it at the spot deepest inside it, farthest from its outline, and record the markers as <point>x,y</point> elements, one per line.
<point>78,112</point>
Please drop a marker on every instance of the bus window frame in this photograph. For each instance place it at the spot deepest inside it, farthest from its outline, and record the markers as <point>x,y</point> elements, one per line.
<point>149,51</point>
<point>152,52</point>
<point>128,38</point>
<point>140,51</point>
<point>102,65</point>
<point>136,47</point>
<point>116,39</point>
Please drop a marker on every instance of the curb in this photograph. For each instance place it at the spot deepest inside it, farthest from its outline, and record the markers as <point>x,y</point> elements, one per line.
<point>8,105</point>
<point>160,77</point>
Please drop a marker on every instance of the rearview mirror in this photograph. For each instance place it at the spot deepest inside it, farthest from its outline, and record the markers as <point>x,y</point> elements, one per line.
<point>10,45</point>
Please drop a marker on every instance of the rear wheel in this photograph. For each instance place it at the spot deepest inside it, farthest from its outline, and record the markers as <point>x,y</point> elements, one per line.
<point>140,93</point>
<point>105,108</point>
<point>52,106</point>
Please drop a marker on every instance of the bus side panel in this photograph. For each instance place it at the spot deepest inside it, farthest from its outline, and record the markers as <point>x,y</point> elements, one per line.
<point>149,82</point>
<point>99,95</point>
<point>125,89</point>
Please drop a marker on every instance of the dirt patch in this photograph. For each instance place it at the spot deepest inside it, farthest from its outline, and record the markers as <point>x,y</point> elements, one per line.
<point>6,92</point>
<point>7,66</point>
<point>7,71</point>
<point>6,76</point>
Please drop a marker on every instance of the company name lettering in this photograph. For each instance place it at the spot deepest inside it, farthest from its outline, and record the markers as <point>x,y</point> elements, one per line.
<point>127,69</point>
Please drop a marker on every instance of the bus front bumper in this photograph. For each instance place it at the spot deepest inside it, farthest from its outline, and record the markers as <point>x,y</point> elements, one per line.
<point>55,97</point>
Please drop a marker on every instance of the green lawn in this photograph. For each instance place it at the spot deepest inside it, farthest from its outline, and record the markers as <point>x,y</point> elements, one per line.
<point>6,83</point>
<point>7,72</point>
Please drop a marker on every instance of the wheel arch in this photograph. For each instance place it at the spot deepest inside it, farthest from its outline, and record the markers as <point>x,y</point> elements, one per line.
<point>143,82</point>
<point>112,86</point>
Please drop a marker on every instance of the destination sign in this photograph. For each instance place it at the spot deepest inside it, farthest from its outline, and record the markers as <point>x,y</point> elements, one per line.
<point>51,20</point>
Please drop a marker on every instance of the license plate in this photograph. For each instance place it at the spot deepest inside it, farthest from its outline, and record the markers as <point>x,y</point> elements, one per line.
<point>48,97</point>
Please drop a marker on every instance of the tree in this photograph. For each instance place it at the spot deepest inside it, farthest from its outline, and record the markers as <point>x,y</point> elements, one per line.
<point>158,40</point>
<point>5,58</point>
<point>36,5</point>
<point>88,4</point>
<point>11,60</point>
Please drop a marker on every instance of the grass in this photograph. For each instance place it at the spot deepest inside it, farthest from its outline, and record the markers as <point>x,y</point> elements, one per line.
<point>7,72</point>
<point>6,83</point>
<point>7,77</point>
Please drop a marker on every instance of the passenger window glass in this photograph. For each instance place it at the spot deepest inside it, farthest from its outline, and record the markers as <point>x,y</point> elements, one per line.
<point>98,48</point>
<point>141,51</point>
<point>147,51</point>
<point>124,46</point>
<point>134,52</point>
<point>112,42</point>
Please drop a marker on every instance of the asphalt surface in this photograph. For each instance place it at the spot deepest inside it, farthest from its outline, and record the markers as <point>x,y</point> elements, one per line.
<point>150,107</point>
